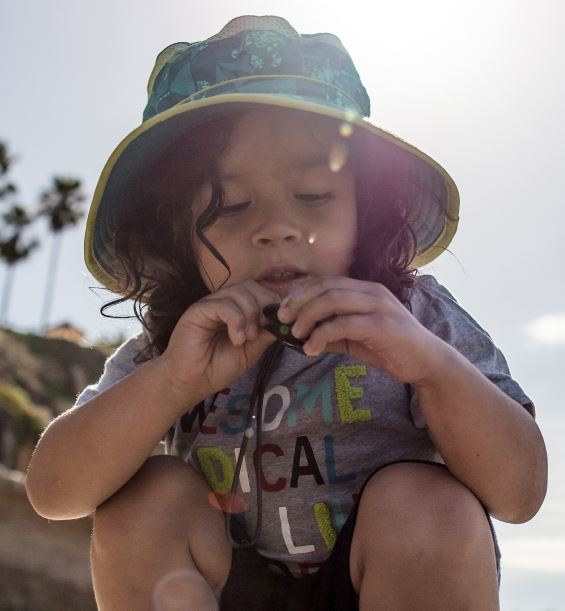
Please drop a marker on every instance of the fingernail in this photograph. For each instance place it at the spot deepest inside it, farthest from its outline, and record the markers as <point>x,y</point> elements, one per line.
<point>240,337</point>
<point>309,350</point>
<point>296,332</point>
<point>283,314</point>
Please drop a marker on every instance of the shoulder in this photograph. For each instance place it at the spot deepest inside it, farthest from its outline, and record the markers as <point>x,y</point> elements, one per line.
<point>428,290</point>
<point>120,364</point>
<point>431,302</point>
<point>438,310</point>
<point>126,354</point>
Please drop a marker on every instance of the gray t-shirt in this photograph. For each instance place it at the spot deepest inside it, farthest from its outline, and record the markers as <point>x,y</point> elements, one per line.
<point>328,424</point>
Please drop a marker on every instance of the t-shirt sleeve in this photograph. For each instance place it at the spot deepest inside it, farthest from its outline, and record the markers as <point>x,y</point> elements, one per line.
<point>117,367</point>
<point>436,308</point>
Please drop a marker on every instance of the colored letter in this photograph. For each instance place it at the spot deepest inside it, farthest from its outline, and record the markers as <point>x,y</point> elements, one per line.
<point>330,464</point>
<point>281,482</point>
<point>217,468</point>
<point>310,469</point>
<point>309,395</point>
<point>243,475</point>
<point>237,406</point>
<point>283,393</point>
<point>346,393</point>
<point>285,529</point>
<point>322,513</point>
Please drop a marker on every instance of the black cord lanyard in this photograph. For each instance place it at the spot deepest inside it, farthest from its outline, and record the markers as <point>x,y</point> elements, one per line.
<point>268,363</point>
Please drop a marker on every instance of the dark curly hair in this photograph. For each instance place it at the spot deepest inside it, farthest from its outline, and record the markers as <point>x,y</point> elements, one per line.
<point>154,230</point>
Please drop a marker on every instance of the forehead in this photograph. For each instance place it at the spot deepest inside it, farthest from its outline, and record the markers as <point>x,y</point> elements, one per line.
<point>282,135</point>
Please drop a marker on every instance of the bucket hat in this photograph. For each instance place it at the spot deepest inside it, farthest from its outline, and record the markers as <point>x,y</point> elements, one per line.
<point>262,60</point>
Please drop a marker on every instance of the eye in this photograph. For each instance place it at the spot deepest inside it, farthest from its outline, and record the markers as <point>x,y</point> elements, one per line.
<point>234,210</point>
<point>314,198</point>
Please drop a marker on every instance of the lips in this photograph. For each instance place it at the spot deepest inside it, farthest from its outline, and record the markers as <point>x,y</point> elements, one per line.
<point>281,273</point>
<point>282,279</point>
<point>282,276</point>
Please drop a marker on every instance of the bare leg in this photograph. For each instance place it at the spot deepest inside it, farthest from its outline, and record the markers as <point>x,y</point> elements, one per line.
<point>158,544</point>
<point>422,541</point>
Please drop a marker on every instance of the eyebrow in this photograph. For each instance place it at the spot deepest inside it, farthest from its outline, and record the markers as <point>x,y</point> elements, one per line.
<point>305,163</point>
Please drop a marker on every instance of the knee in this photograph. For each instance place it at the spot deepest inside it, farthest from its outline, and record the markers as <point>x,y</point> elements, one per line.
<point>147,505</point>
<point>417,510</point>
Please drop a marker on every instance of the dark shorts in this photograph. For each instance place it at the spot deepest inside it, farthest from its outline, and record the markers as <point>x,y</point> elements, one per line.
<point>253,585</point>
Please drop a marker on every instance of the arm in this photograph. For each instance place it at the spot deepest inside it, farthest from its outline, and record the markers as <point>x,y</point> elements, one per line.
<point>86,454</point>
<point>89,452</point>
<point>488,441</point>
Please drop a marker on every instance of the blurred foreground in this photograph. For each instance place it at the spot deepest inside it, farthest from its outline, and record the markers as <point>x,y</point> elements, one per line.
<point>44,565</point>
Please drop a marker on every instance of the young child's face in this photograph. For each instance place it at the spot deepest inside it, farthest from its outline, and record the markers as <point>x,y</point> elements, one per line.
<point>287,216</point>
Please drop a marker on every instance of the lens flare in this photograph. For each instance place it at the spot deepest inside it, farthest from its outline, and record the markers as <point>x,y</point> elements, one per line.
<point>345,130</point>
<point>249,432</point>
<point>184,590</point>
<point>338,156</point>
<point>227,502</point>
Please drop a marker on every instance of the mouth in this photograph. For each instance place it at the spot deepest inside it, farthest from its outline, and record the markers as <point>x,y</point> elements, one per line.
<point>282,280</point>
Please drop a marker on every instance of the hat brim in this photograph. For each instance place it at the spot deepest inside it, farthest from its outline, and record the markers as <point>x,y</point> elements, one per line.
<point>434,227</point>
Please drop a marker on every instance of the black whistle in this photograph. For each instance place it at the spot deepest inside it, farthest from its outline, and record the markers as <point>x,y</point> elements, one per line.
<point>281,330</point>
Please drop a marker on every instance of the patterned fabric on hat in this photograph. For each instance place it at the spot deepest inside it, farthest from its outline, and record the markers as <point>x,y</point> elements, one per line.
<point>259,58</point>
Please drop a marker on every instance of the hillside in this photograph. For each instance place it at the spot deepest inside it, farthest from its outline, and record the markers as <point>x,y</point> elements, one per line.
<point>51,371</point>
<point>44,565</point>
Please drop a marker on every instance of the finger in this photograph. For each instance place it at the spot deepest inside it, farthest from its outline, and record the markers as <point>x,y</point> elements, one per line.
<point>264,298</point>
<point>223,311</point>
<point>250,297</point>
<point>245,298</point>
<point>338,332</point>
<point>291,305</point>
<point>334,303</point>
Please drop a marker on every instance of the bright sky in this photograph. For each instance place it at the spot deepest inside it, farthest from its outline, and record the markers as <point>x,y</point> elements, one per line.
<point>477,85</point>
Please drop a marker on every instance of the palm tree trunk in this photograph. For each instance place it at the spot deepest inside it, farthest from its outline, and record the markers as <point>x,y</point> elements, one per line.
<point>6,294</point>
<point>51,277</point>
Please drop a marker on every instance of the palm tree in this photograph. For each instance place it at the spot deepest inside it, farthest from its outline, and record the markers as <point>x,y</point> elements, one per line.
<point>12,250</point>
<point>61,205</point>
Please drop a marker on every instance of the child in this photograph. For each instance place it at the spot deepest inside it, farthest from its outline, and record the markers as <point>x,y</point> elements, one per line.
<point>355,471</point>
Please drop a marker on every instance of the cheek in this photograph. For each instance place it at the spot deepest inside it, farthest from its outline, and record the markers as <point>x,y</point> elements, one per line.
<point>347,220</point>
<point>347,228</point>
<point>208,265</point>
<point>337,245</point>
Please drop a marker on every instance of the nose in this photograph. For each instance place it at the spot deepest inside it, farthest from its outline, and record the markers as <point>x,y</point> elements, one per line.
<point>276,229</point>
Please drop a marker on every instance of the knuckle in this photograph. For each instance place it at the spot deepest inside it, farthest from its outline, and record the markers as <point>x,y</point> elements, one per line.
<point>377,288</point>
<point>327,283</point>
<point>238,319</point>
<point>334,295</point>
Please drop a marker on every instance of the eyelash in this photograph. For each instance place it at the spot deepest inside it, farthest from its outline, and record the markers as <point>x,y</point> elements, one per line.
<point>315,197</point>
<point>308,198</point>
<point>234,210</point>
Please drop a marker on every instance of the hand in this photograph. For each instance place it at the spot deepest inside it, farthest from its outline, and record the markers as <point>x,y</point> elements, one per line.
<point>366,321</point>
<point>219,338</point>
